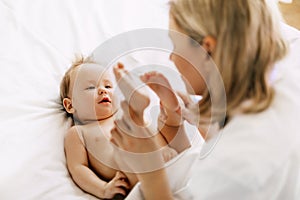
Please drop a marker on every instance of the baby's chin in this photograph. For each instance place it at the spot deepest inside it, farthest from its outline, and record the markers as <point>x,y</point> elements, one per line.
<point>92,119</point>
<point>105,116</point>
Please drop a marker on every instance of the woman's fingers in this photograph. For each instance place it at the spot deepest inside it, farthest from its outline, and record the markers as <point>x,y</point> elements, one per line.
<point>128,126</point>
<point>191,110</point>
<point>133,117</point>
<point>126,111</point>
<point>126,123</point>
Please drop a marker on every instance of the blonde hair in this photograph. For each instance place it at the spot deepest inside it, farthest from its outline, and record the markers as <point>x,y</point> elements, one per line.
<point>248,44</point>
<point>66,80</point>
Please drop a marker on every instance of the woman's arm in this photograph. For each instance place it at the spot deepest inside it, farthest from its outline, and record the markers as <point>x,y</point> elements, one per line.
<point>170,125</point>
<point>155,185</point>
<point>139,153</point>
<point>83,176</point>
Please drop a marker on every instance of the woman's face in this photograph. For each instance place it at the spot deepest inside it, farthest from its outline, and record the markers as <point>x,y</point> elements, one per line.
<point>187,57</point>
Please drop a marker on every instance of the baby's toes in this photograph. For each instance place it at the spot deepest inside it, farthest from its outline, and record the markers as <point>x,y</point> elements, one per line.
<point>119,71</point>
<point>144,78</point>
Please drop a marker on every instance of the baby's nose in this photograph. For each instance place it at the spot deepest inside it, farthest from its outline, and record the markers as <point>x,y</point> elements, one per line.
<point>102,91</point>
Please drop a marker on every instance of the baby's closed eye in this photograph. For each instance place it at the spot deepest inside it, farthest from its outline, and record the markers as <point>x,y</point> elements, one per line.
<point>90,88</point>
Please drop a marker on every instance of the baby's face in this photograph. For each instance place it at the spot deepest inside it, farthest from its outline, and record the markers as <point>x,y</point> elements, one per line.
<point>92,93</point>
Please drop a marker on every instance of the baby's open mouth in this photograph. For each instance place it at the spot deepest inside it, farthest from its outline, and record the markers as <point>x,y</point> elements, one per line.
<point>105,100</point>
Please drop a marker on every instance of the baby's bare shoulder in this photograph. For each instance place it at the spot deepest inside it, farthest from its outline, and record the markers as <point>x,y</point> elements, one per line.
<point>74,135</point>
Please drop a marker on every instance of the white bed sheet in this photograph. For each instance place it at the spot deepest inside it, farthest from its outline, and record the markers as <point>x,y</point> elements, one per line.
<point>38,40</point>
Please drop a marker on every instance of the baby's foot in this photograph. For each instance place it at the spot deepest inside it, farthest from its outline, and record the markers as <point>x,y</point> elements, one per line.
<point>161,86</point>
<point>137,100</point>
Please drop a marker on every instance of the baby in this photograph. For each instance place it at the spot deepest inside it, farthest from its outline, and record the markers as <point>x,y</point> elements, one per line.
<point>87,94</point>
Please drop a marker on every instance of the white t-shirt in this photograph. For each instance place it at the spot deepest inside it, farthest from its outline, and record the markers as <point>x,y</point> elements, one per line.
<point>258,156</point>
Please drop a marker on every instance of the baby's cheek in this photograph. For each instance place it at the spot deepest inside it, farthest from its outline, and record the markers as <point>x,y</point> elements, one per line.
<point>88,100</point>
<point>86,104</point>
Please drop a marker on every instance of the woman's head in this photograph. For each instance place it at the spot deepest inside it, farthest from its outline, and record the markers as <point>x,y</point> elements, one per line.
<point>243,39</point>
<point>87,91</point>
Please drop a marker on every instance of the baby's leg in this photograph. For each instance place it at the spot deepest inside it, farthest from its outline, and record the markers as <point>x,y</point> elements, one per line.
<point>161,86</point>
<point>137,100</point>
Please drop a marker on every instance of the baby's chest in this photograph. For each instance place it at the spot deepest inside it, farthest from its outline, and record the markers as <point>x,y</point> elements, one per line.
<point>101,155</point>
<point>100,147</point>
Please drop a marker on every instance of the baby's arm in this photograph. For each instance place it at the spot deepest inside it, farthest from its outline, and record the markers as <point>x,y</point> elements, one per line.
<point>83,176</point>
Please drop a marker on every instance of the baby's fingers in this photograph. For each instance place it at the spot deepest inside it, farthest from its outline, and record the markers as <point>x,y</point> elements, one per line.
<point>120,175</point>
<point>122,183</point>
<point>120,180</point>
<point>119,190</point>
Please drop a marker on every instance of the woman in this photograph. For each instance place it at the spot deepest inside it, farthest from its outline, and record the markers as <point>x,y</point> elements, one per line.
<point>258,154</point>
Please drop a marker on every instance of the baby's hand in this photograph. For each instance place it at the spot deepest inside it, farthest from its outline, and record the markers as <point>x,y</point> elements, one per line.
<point>117,185</point>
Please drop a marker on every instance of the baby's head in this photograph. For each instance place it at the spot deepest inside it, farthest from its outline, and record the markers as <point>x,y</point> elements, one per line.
<point>86,91</point>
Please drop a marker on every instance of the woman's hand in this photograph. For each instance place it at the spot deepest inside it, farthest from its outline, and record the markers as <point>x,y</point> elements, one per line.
<point>190,111</point>
<point>137,150</point>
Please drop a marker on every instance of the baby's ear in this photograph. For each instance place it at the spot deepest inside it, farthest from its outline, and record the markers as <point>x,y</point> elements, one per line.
<point>68,105</point>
